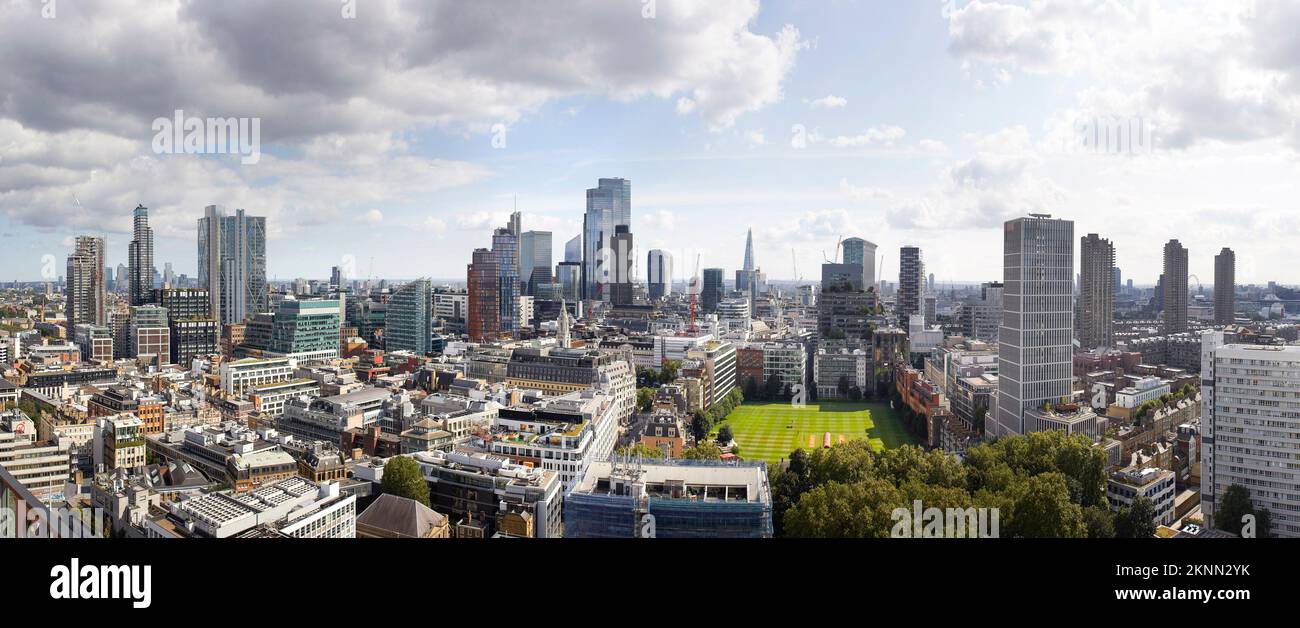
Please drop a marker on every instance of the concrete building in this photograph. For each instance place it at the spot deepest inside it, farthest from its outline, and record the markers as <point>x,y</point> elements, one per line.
<point>42,467</point>
<point>1035,341</point>
<point>484,296</point>
<point>1174,288</point>
<point>84,291</point>
<point>1096,306</point>
<point>1225,284</point>
<point>1125,486</point>
<point>1249,433</point>
<point>981,316</point>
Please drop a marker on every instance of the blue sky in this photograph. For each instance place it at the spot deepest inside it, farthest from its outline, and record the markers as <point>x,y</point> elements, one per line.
<point>923,123</point>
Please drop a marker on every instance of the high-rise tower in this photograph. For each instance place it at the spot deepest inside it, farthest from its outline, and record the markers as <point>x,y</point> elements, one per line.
<point>1035,346</point>
<point>1225,285</point>
<point>1175,288</point>
<point>609,205</point>
<point>1096,292</point>
<point>140,258</point>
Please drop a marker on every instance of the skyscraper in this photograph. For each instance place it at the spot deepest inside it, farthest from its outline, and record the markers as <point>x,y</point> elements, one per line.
<point>232,263</point>
<point>84,290</point>
<point>609,205</point>
<point>712,291</point>
<point>1096,292</point>
<point>1035,340</point>
<point>410,321</point>
<point>659,274</point>
<point>863,253</point>
<point>1175,288</point>
<point>535,259</point>
<point>911,283</point>
<point>749,251</point>
<point>483,283</point>
<point>1225,285</point>
<point>140,258</point>
<point>620,283</point>
<point>573,250</point>
<point>505,246</point>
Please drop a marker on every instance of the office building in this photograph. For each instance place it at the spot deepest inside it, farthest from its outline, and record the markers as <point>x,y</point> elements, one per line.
<point>620,279</point>
<point>232,264</point>
<point>505,250</point>
<point>307,330</point>
<point>1174,288</point>
<point>659,274</point>
<point>42,467</point>
<point>609,205</point>
<point>712,291</point>
<point>1096,306</point>
<point>1225,285</point>
<point>194,333</point>
<point>484,281</point>
<point>1035,341</point>
<point>980,316</point>
<point>410,323</point>
<point>150,334</point>
<point>670,499</point>
<point>487,495</point>
<point>863,253</point>
<point>535,260</point>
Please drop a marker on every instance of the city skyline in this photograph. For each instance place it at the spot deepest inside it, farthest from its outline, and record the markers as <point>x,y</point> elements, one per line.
<point>799,139</point>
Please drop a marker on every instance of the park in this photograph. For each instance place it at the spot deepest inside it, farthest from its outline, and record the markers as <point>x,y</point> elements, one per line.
<point>770,431</point>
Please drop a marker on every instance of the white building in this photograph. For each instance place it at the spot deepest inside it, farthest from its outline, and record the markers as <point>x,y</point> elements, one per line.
<point>1158,485</point>
<point>1251,431</point>
<point>241,376</point>
<point>1144,390</point>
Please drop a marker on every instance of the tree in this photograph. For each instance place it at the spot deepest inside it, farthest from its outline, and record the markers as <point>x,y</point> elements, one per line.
<point>1042,509</point>
<point>838,510</point>
<point>772,390</point>
<point>724,435</point>
<point>639,450</point>
<point>751,387</point>
<point>669,372</point>
<point>1100,522</point>
<point>703,451</point>
<point>1136,521</point>
<point>855,393</point>
<point>645,398</point>
<point>843,386</point>
<point>701,425</point>
<point>1232,508</point>
<point>402,477</point>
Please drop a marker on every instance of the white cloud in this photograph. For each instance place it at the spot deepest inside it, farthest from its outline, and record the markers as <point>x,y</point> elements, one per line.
<point>373,217</point>
<point>829,101</point>
<point>884,134</point>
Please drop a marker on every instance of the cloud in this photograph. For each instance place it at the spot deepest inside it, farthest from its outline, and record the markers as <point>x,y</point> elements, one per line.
<point>1197,71</point>
<point>337,99</point>
<point>661,219</point>
<point>373,217</point>
<point>884,134</point>
<point>829,101</point>
<point>864,192</point>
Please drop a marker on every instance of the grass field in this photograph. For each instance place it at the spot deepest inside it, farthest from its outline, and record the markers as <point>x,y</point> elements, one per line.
<point>770,431</point>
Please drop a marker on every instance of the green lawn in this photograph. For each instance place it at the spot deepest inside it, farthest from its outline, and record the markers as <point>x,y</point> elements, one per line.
<point>770,431</point>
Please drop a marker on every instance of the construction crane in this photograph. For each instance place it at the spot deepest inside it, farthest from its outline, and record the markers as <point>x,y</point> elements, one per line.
<point>838,243</point>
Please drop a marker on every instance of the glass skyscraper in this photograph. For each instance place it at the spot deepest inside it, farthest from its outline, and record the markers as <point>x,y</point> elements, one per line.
<point>609,205</point>
<point>410,321</point>
<point>232,263</point>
